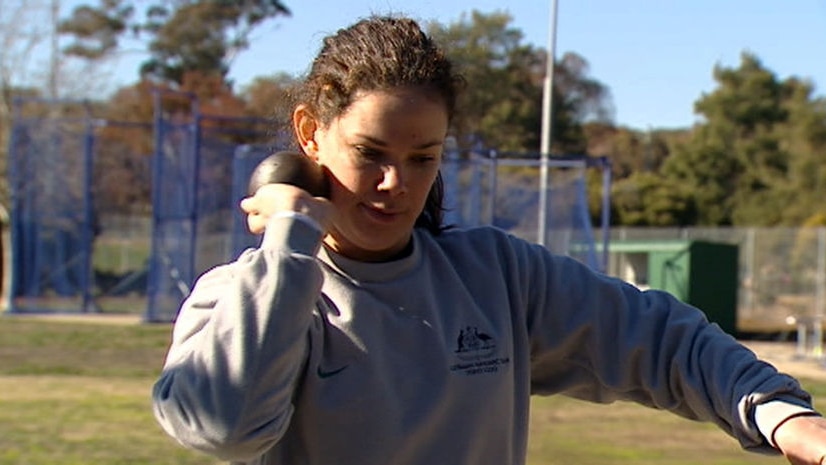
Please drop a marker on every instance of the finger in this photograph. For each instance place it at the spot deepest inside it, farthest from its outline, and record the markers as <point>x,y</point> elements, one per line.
<point>249,205</point>
<point>256,223</point>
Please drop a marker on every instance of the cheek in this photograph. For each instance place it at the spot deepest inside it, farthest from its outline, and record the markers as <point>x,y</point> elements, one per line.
<point>427,180</point>
<point>351,181</point>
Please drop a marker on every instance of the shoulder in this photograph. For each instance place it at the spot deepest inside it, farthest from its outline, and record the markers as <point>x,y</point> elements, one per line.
<point>494,245</point>
<point>482,242</point>
<point>476,235</point>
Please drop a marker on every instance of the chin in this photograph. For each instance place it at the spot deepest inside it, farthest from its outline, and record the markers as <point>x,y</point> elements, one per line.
<point>368,240</point>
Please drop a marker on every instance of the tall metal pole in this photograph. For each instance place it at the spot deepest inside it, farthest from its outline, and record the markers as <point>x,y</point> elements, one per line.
<point>54,59</point>
<point>547,123</point>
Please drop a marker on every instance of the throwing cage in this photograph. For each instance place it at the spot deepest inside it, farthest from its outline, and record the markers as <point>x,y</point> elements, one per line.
<point>112,216</point>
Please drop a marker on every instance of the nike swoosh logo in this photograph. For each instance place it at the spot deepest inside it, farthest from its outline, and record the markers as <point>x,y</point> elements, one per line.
<point>326,374</point>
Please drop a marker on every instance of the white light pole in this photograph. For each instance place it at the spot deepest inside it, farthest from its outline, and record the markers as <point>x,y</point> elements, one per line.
<point>547,123</point>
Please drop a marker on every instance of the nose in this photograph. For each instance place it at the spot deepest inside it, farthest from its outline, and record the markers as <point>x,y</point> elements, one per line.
<point>393,180</point>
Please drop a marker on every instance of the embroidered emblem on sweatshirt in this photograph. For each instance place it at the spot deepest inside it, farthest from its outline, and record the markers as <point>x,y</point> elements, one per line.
<point>322,373</point>
<point>474,344</point>
<point>476,352</point>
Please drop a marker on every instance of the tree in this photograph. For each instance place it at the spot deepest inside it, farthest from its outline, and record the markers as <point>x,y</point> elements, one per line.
<point>804,136</point>
<point>577,99</point>
<point>501,107</point>
<point>494,107</point>
<point>630,151</point>
<point>96,29</point>
<point>270,97</point>
<point>646,199</point>
<point>757,152</point>
<point>185,35</point>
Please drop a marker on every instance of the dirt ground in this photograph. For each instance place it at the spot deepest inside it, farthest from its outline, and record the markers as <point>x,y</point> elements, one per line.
<point>785,356</point>
<point>96,318</point>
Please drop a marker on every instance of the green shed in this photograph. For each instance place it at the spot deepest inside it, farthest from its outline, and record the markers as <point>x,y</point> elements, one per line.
<point>701,273</point>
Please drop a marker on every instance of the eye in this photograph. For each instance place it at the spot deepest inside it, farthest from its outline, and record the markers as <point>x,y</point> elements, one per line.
<point>368,153</point>
<point>425,158</point>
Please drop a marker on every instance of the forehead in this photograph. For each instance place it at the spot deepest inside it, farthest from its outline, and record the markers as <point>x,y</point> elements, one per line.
<point>412,108</point>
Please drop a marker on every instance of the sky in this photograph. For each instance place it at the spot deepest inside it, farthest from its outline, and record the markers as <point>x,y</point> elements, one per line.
<point>656,57</point>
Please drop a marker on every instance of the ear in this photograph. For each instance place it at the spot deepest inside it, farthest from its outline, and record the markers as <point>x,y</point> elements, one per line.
<point>305,126</point>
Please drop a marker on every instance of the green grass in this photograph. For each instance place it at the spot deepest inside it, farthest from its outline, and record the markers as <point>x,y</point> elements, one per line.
<point>565,431</point>
<point>79,393</point>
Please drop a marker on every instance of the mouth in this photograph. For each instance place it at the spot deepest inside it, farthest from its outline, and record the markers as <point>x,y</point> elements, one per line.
<point>381,215</point>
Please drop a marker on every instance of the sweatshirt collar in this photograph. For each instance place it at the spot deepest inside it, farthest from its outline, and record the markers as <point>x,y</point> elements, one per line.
<point>373,272</point>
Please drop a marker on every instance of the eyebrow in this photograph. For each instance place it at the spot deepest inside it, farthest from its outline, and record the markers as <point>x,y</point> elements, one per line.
<point>381,143</point>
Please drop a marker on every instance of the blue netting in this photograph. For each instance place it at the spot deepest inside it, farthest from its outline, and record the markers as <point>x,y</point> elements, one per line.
<point>201,175</point>
<point>50,266</point>
<point>67,221</point>
<point>114,217</point>
<point>245,159</point>
<point>481,188</point>
<point>174,216</point>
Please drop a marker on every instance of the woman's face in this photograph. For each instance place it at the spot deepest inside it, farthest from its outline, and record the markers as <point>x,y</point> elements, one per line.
<point>384,153</point>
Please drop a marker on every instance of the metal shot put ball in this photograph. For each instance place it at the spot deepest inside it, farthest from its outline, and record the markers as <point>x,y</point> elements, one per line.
<point>292,168</point>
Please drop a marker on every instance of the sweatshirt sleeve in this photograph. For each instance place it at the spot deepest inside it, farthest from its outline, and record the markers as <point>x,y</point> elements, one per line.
<point>600,339</point>
<point>239,347</point>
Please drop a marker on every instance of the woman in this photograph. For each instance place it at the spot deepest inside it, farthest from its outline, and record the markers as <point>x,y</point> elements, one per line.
<point>363,332</point>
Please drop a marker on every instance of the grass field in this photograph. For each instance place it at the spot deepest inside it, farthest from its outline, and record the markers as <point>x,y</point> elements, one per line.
<point>78,393</point>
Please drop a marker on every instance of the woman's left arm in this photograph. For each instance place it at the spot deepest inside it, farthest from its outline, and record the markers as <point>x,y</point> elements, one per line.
<point>597,338</point>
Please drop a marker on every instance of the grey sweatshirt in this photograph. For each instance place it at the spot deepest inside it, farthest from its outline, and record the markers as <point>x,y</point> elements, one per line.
<point>295,355</point>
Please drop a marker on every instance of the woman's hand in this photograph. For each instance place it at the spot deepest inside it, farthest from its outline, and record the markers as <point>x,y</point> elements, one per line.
<point>802,440</point>
<point>270,199</point>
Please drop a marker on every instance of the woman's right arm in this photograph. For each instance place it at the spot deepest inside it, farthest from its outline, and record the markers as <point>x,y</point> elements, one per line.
<point>239,346</point>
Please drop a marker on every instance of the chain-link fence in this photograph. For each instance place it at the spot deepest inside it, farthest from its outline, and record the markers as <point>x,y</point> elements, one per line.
<point>781,274</point>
